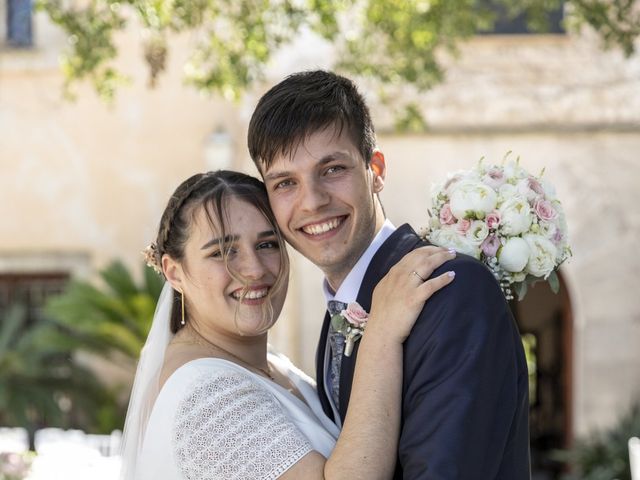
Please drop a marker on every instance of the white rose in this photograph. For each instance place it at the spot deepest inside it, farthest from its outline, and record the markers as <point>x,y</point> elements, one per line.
<point>542,257</point>
<point>514,255</point>
<point>494,177</point>
<point>450,183</point>
<point>557,232</point>
<point>564,231</point>
<point>546,229</point>
<point>562,219</point>
<point>468,247</point>
<point>443,237</point>
<point>507,191</point>
<point>549,190</point>
<point>449,238</point>
<point>513,172</point>
<point>478,231</point>
<point>524,190</point>
<point>476,197</point>
<point>515,214</point>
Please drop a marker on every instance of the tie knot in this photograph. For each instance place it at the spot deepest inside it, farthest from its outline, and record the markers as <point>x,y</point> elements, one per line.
<point>335,306</point>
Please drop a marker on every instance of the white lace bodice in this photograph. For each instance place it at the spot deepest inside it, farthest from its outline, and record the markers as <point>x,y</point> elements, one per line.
<point>216,420</point>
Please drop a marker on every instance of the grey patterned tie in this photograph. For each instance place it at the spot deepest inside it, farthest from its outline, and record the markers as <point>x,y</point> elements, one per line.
<point>336,343</point>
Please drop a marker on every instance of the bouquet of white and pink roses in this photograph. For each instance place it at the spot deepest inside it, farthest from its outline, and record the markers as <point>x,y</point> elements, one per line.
<point>505,217</point>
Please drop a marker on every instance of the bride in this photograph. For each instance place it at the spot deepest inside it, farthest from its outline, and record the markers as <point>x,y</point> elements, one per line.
<point>209,398</point>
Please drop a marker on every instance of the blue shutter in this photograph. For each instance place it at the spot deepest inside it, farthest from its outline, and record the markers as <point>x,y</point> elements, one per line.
<point>19,23</point>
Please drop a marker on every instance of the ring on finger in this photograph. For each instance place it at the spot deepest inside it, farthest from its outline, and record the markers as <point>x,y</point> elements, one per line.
<point>418,275</point>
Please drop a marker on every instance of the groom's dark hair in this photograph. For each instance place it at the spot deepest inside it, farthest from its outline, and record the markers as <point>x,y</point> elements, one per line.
<point>304,103</point>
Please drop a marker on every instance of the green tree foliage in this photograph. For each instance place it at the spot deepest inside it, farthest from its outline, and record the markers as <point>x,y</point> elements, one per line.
<point>616,21</point>
<point>604,455</point>
<point>391,41</point>
<point>114,317</point>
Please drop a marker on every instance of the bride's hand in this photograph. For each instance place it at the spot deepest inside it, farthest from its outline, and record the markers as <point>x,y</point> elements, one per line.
<point>400,295</point>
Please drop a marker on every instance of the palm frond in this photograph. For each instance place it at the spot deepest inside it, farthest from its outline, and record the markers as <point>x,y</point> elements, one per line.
<point>115,317</point>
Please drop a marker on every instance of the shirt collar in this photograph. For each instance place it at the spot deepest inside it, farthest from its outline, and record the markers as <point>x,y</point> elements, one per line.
<point>348,291</point>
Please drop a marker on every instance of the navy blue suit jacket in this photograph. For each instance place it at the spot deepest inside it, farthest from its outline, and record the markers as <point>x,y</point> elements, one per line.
<point>465,407</point>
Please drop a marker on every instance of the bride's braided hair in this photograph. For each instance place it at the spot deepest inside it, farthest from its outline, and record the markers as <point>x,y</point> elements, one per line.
<point>210,190</point>
<point>173,222</point>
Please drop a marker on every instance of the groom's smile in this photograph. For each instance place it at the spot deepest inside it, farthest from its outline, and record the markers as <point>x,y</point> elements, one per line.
<point>324,198</point>
<point>323,229</point>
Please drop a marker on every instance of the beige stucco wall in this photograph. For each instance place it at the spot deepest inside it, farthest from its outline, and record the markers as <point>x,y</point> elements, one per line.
<point>88,176</point>
<point>90,181</point>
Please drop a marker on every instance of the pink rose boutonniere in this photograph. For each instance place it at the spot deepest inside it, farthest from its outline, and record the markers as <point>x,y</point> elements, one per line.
<point>351,323</point>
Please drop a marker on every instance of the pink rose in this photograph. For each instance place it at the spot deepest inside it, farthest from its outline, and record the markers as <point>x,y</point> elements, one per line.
<point>535,185</point>
<point>446,217</point>
<point>490,246</point>
<point>355,315</point>
<point>463,226</point>
<point>557,237</point>
<point>493,219</point>
<point>494,178</point>
<point>530,188</point>
<point>545,210</point>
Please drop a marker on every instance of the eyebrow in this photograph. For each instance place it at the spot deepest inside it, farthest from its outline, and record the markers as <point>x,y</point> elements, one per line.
<point>330,157</point>
<point>234,238</point>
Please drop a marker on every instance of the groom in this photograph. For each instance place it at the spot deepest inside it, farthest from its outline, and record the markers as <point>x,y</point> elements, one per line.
<point>465,388</point>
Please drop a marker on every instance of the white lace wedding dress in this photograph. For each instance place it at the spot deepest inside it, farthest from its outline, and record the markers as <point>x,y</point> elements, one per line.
<point>214,419</point>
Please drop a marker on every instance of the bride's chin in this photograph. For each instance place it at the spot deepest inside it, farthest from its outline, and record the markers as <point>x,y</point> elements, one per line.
<point>253,327</point>
<point>254,320</point>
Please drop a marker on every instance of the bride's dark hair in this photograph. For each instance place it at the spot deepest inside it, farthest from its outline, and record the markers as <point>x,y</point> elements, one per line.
<point>212,191</point>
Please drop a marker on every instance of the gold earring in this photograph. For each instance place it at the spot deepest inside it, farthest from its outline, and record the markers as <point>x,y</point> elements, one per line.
<point>182,302</point>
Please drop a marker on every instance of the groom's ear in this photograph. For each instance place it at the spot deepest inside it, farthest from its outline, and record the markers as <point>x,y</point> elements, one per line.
<point>379,168</point>
<point>173,272</point>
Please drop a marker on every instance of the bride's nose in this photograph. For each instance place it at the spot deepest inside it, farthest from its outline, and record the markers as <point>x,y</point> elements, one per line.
<point>250,265</point>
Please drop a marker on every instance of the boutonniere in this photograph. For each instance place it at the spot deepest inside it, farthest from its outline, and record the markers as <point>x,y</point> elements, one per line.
<point>351,323</point>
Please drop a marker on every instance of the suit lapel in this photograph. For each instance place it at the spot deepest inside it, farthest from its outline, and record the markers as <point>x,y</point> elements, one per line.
<point>402,241</point>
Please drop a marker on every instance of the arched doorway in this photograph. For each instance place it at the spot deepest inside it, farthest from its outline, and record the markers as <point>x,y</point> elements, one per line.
<point>546,325</point>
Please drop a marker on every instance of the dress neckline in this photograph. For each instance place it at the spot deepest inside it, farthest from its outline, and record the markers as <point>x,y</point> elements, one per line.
<point>279,363</point>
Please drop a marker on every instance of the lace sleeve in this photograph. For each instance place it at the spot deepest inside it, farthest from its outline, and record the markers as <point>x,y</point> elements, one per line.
<point>230,427</point>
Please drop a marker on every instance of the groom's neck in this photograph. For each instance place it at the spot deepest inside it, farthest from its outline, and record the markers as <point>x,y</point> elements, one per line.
<point>336,280</point>
<point>336,274</point>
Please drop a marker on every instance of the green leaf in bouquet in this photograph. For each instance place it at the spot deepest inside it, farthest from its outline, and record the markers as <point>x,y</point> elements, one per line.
<point>554,282</point>
<point>520,289</point>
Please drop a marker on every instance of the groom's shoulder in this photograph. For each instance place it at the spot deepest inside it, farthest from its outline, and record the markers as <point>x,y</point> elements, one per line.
<point>471,267</point>
<point>474,289</point>
<point>473,278</point>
